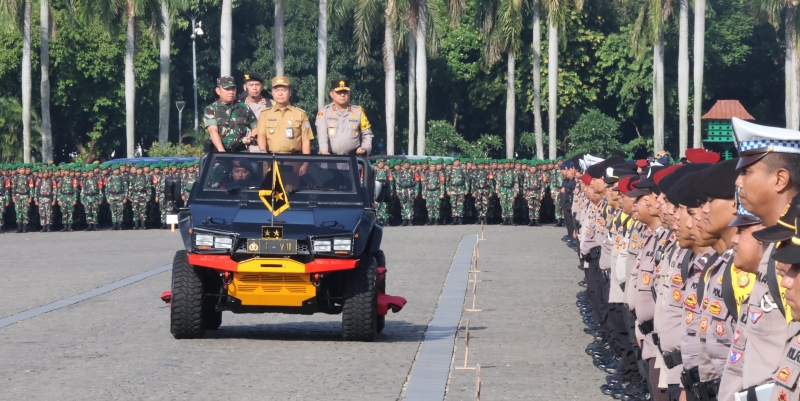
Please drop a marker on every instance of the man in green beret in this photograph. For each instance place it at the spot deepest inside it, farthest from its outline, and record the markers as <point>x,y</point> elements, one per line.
<point>5,193</point>
<point>23,187</point>
<point>116,190</point>
<point>140,194</point>
<point>67,197</point>
<point>507,189</point>
<point>406,182</point>
<point>457,187</point>
<point>44,199</point>
<point>91,197</point>
<point>228,120</point>
<point>382,173</point>
<point>433,185</point>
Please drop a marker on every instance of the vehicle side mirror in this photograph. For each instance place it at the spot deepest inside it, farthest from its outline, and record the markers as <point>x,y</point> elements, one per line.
<point>172,189</point>
<point>381,191</point>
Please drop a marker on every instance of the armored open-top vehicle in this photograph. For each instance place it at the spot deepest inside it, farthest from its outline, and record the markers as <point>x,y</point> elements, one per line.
<point>281,234</point>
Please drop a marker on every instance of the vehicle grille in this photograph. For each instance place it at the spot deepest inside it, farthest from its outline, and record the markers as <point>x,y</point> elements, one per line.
<point>272,283</point>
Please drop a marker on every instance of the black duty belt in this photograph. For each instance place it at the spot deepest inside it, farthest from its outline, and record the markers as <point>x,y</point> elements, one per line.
<point>706,391</point>
<point>646,327</point>
<point>672,359</point>
<point>689,378</point>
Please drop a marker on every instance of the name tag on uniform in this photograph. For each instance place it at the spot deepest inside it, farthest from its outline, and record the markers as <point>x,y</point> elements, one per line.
<point>289,130</point>
<point>332,132</point>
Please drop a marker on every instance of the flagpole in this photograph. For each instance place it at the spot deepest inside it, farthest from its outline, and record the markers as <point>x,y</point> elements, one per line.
<point>274,176</point>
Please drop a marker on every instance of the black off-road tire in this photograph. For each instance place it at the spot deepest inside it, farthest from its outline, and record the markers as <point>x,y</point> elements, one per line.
<point>360,310</point>
<point>186,314</point>
<point>212,318</point>
<point>381,323</point>
<point>380,261</point>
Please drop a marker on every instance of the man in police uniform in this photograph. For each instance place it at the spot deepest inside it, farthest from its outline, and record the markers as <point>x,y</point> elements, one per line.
<point>343,128</point>
<point>284,128</point>
<point>229,121</point>
<point>253,87</point>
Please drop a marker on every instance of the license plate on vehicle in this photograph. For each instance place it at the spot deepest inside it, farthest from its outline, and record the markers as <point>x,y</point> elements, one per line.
<point>272,246</point>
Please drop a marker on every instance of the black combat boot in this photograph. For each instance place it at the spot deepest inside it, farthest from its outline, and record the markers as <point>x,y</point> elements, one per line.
<point>141,225</point>
<point>89,227</point>
<point>24,228</point>
<point>44,228</point>
<point>436,222</point>
<point>2,230</point>
<point>536,223</point>
<point>115,227</point>
<point>48,228</point>
<point>136,224</point>
<point>404,223</point>
<point>560,223</point>
<point>531,223</point>
<point>69,227</point>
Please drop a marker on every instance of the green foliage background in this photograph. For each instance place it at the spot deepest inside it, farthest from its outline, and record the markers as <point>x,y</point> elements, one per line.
<point>598,74</point>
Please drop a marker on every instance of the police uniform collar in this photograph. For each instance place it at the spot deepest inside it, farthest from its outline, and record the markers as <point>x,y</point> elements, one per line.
<point>262,101</point>
<point>349,107</point>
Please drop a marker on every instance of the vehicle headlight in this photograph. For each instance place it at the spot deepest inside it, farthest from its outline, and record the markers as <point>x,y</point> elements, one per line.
<point>207,242</point>
<point>322,245</point>
<point>339,246</point>
<point>342,244</point>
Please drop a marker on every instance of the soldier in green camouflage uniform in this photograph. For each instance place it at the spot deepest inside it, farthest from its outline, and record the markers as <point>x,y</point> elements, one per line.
<point>457,188</point>
<point>116,189</point>
<point>91,197</point>
<point>139,194</point>
<point>382,173</point>
<point>555,179</point>
<point>406,191</point>
<point>433,185</point>
<point>5,194</point>
<point>533,192</point>
<point>67,197</point>
<point>507,189</point>
<point>187,182</point>
<point>482,184</point>
<point>23,189</point>
<point>228,120</point>
<point>45,191</point>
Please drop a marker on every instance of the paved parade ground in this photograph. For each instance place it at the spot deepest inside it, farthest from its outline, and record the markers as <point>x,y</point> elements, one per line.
<point>528,336</point>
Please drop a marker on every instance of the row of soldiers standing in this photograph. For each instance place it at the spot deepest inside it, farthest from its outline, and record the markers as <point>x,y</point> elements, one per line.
<point>36,189</point>
<point>691,272</point>
<point>434,181</point>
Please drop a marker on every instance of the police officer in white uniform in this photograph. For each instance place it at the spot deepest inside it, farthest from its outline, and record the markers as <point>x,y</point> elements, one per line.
<point>343,128</point>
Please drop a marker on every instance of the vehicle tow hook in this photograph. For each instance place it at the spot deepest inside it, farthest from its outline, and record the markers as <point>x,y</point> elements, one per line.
<point>315,279</point>
<point>227,278</point>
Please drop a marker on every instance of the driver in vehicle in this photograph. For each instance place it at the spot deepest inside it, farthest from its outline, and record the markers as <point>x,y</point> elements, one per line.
<point>242,175</point>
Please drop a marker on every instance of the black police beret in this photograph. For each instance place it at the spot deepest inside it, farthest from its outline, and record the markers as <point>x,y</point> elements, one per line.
<point>596,170</point>
<point>719,180</point>
<point>687,194</point>
<point>253,77</point>
<point>670,180</point>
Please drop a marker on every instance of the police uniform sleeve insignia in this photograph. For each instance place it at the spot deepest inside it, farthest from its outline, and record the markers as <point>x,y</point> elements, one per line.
<point>365,125</point>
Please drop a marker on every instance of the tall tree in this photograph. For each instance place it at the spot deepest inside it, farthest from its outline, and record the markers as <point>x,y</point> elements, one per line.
<point>412,91</point>
<point>786,10</point>
<point>279,70</point>
<point>115,13</point>
<point>169,10</point>
<point>421,73</point>
<point>322,53</point>
<point>226,37</point>
<point>683,78</point>
<point>537,79</point>
<point>557,11</point>
<point>501,23</point>
<point>649,30</point>
<point>44,86</point>
<point>26,82</point>
<point>699,59</point>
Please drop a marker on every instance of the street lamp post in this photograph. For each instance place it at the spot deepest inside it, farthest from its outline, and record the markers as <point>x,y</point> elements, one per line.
<point>197,31</point>
<point>180,105</point>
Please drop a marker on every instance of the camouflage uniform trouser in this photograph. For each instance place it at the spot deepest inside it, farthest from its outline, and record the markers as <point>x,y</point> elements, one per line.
<point>534,205</point>
<point>457,202</point>
<point>432,202</point>
<point>383,211</point>
<point>507,202</point>
<point>21,204</point>
<point>67,208</point>
<point>407,196</point>
<point>482,202</point>
<point>91,203</point>
<point>117,206</point>
<point>46,210</point>
<point>557,196</point>
<point>139,204</point>
<point>163,208</point>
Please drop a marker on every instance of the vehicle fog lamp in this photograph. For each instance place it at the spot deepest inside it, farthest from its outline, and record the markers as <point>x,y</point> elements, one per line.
<point>342,244</point>
<point>223,242</point>
<point>204,240</point>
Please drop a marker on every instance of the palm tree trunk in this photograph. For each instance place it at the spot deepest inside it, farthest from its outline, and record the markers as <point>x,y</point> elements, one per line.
<point>412,85</point>
<point>44,60</point>
<point>26,84</point>
<point>225,40</point>
<point>683,78</point>
<point>552,81</point>
<point>537,80</point>
<point>658,93</point>
<point>510,107</point>
<point>422,75</point>
<point>322,53</point>
<point>790,69</point>
<point>699,55</point>
<point>163,90</point>
<point>130,81</point>
<point>279,37</point>
<point>390,80</point>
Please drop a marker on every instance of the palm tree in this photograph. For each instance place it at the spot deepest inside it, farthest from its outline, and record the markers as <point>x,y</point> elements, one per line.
<point>649,30</point>
<point>412,91</point>
<point>226,37</point>
<point>683,77</point>
<point>16,14</point>
<point>115,13</point>
<point>368,15</point>
<point>699,55</point>
<point>501,23</point>
<point>322,53</point>
<point>537,80</point>
<point>44,86</point>
<point>557,11</point>
<point>169,10</point>
<point>772,10</point>
<point>421,73</point>
<point>279,37</point>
